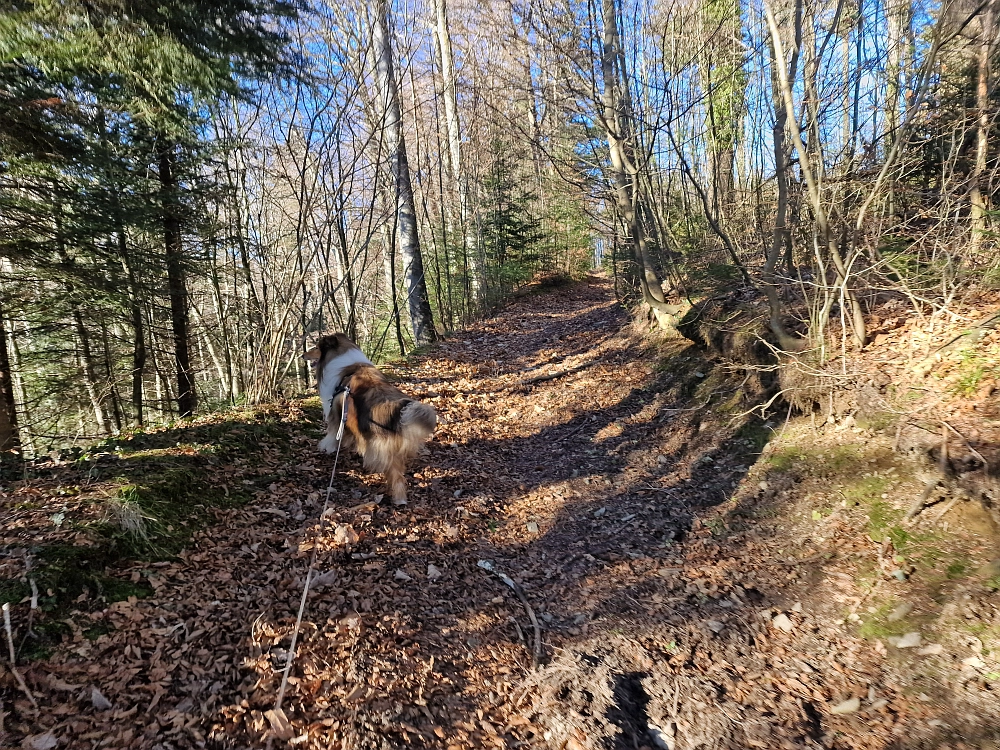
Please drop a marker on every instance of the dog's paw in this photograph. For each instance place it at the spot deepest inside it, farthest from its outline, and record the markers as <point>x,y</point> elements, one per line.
<point>328,444</point>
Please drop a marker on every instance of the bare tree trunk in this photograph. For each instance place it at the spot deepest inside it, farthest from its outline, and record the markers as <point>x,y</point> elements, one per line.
<point>978,195</point>
<point>459,180</point>
<point>616,120</point>
<point>782,232</point>
<point>177,285</point>
<point>419,305</point>
<point>10,438</point>
<point>899,16</point>
<point>116,401</point>
<point>86,361</point>
<point>828,239</point>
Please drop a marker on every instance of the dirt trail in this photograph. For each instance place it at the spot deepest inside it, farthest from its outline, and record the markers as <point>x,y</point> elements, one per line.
<point>672,612</point>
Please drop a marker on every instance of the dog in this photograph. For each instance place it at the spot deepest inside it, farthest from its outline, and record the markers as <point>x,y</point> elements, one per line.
<point>383,426</point>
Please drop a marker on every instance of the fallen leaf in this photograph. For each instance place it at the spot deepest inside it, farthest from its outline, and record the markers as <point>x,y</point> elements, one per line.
<point>280,726</point>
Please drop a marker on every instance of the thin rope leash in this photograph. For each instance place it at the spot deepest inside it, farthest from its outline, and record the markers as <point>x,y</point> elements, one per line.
<point>312,564</point>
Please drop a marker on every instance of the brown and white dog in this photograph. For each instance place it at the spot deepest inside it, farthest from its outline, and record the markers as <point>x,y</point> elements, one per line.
<point>383,426</point>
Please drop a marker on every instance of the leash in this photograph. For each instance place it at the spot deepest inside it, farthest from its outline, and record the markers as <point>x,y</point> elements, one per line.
<point>276,712</point>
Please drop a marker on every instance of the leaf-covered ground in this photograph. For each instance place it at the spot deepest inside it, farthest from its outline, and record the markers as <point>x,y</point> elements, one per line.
<point>698,581</point>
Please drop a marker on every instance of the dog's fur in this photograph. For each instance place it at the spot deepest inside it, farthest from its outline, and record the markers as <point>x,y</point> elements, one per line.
<point>383,426</point>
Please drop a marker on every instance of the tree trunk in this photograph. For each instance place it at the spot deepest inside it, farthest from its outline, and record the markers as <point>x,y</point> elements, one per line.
<point>86,360</point>
<point>10,439</point>
<point>409,243</point>
<point>617,125</point>
<point>978,195</point>
<point>725,83</point>
<point>782,232</point>
<point>177,285</point>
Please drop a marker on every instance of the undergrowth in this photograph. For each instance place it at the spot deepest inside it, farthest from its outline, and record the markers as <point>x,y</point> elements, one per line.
<point>141,498</point>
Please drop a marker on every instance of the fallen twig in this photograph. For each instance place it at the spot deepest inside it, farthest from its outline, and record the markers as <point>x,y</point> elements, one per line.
<point>13,659</point>
<point>557,374</point>
<point>973,451</point>
<point>948,506</point>
<point>918,504</point>
<point>519,592</point>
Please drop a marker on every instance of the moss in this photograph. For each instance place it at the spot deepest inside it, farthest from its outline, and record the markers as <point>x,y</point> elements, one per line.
<point>13,591</point>
<point>882,518</point>
<point>159,496</point>
<point>755,434</point>
<point>784,459</point>
<point>878,421</point>
<point>973,368</point>
<point>877,625</point>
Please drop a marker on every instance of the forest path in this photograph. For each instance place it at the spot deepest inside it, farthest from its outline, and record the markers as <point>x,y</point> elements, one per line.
<point>671,610</point>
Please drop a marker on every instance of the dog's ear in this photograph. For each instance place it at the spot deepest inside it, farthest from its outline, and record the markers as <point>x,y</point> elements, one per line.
<point>313,354</point>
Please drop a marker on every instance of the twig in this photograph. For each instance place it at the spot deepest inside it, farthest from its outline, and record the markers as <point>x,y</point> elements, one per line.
<point>943,458</point>
<point>520,633</point>
<point>973,451</point>
<point>557,374</point>
<point>918,504</point>
<point>519,592</point>
<point>10,646</point>
<point>948,506</point>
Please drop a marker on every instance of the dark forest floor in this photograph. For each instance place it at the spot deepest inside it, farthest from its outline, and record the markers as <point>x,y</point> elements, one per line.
<point>702,579</point>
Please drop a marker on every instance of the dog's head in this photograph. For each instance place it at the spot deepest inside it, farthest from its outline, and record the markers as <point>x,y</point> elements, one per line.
<point>328,347</point>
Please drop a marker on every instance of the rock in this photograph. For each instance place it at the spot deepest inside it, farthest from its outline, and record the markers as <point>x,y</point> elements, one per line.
<point>663,739</point>
<point>899,575</point>
<point>931,649</point>
<point>600,512</point>
<point>846,707</point>
<point>900,612</point>
<point>781,622</point>
<point>797,607</point>
<point>98,700</point>
<point>532,527</point>
<point>715,626</point>
<point>975,662</point>
<point>910,640</point>
<point>433,573</point>
<point>400,575</point>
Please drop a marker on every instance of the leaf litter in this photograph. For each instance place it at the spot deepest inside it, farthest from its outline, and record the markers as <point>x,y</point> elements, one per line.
<point>573,455</point>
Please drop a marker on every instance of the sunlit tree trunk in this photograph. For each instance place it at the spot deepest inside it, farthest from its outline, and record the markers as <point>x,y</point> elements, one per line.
<point>624,167</point>
<point>978,195</point>
<point>418,302</point>
<point>177,284</point>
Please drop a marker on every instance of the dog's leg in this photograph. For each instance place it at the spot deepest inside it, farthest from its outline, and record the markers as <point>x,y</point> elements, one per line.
<point>329,442</point>
<point>396,480</point>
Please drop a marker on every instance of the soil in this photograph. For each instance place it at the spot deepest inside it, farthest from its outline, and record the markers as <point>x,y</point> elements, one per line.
<point>701,577</point>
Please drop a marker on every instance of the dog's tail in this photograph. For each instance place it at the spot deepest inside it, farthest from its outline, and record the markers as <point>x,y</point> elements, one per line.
<point>417,421</point>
